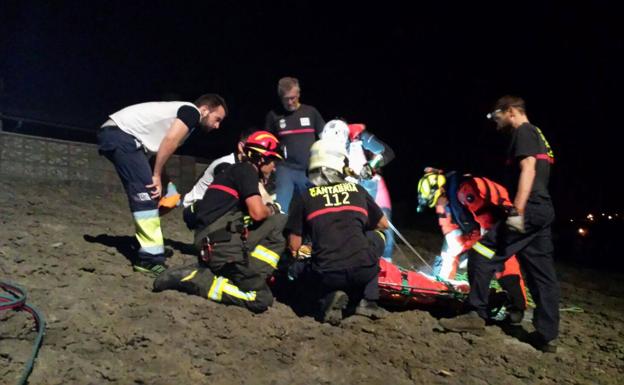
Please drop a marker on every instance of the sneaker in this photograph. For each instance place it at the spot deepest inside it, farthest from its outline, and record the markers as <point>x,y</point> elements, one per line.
<point>515,317</point>
<point>538,342</point>
<point>333,305</point>
<point>153,269</point>
<point>469,322</point>
<point>370,309</point>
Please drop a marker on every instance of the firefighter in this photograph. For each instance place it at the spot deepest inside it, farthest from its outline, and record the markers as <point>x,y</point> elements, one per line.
<point>341,218</point>
<point>366,155</point>
<point>525,232</point>
<point>239,236</point>
<point>467,207</point>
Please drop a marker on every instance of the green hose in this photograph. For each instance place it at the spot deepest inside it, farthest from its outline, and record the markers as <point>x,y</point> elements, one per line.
<point>16,300</point>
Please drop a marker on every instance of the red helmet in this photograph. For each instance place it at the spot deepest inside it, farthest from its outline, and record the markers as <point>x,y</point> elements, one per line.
<point>355,130</point>
<point>263,143</point>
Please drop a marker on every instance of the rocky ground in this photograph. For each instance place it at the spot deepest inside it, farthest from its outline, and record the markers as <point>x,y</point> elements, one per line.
<point>67,244</point>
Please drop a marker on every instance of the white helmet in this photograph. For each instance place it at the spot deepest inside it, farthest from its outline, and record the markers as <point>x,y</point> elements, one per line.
<point>329,154</point>
<point>336,131</point>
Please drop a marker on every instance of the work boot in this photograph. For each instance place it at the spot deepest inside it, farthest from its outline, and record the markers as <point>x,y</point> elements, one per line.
<point>469,322</point>
<point>149,268</point>
<point>187,279</point>
<point>538,342</point>
<point>332,307</point>
<point>370,309</point>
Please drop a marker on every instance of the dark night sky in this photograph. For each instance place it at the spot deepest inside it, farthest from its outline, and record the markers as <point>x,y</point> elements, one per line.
<point>422,77</point>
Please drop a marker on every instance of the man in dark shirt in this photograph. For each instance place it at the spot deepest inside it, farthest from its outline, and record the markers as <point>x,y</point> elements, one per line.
<point>526,231</point>
<point>236,256</point>
<point>297,126</point>
<point>341,219</point>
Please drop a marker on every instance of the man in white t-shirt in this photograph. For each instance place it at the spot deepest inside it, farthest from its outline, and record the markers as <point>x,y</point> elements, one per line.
<point>134,133</point>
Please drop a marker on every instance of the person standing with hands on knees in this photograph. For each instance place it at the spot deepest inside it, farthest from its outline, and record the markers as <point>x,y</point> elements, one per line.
<point>129,137</point>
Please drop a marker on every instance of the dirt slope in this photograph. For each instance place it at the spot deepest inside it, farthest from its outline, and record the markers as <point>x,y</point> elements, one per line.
<point>66,245</point>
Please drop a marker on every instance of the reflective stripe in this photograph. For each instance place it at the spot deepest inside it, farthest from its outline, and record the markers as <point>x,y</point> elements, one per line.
<point>147,214</point>
<point>328,210</point>
<point>189,277</point>
<point>545,157</point>
<point>382,235</point>
<point>483,250</point>
<point>216,289</point>
<point>234,291</point>
<point>225,189</point>
<point>298,131</point>
<point>266,255</point>
<point>148,231</point>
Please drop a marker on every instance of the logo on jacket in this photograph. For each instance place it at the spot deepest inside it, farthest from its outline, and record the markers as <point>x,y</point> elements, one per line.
<point>282,123</point>
<point>304,121</point>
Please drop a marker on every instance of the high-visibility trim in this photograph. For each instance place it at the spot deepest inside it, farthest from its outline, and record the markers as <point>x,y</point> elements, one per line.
<point>225,189</point>
<point>216,289</point>
<point>148,231</point>
<point>266,255</point>
<point>189,277</point>
<point>328,210</point>
<point>549,152</point>
<point>234,291</point>
<point>297,131</point>
<point>545,157</point>
<point>145,214</point>
<point>483,250</point>
<point>381,234</point>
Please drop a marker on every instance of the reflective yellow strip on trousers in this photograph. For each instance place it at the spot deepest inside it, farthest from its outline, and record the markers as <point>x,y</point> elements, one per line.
<point>189,277</point>
<point>484,250</point>
<point>216,289</point>
<point>234,291</point>
<point>266,255</point>
<point>148,230</point>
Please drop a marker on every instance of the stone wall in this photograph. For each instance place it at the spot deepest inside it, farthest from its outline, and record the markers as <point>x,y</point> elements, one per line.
<point>32,157</point>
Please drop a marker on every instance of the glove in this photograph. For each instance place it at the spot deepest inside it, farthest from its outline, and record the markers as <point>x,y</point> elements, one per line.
<point>366,172</point>
<point>305,251</point>
<point>515,221</point>
<point>274,208</point>
<point>348,171</point>
<point>247,221</point>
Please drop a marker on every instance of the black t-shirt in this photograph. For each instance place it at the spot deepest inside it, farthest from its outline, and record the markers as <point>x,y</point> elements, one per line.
<point>228,191</point>
<point>297,130</point>
<point>336,217</point>
<point>528,140</point>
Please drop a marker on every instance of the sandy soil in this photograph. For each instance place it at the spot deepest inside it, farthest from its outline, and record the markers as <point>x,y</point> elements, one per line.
<point>67,244</point>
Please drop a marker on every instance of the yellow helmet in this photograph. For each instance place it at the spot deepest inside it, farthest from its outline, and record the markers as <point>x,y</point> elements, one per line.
<point>429,189</point>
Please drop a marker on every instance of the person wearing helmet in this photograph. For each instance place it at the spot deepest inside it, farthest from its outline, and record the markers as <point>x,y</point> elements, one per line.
<point>297,126</point>
<point>525,231</point>
<point>218,165</point>
<point>132,135</point>
<point>341,218</point>
<point>467,207</point>
<point>239,236</point>
<point>366,155</point>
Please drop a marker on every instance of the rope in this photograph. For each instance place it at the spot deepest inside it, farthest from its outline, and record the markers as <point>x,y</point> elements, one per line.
<point>572,309</point>
<point>16,300</point>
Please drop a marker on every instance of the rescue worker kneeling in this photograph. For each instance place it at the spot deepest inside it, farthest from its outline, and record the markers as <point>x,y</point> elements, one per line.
<point>239,237</point>
<point>341,219</point>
